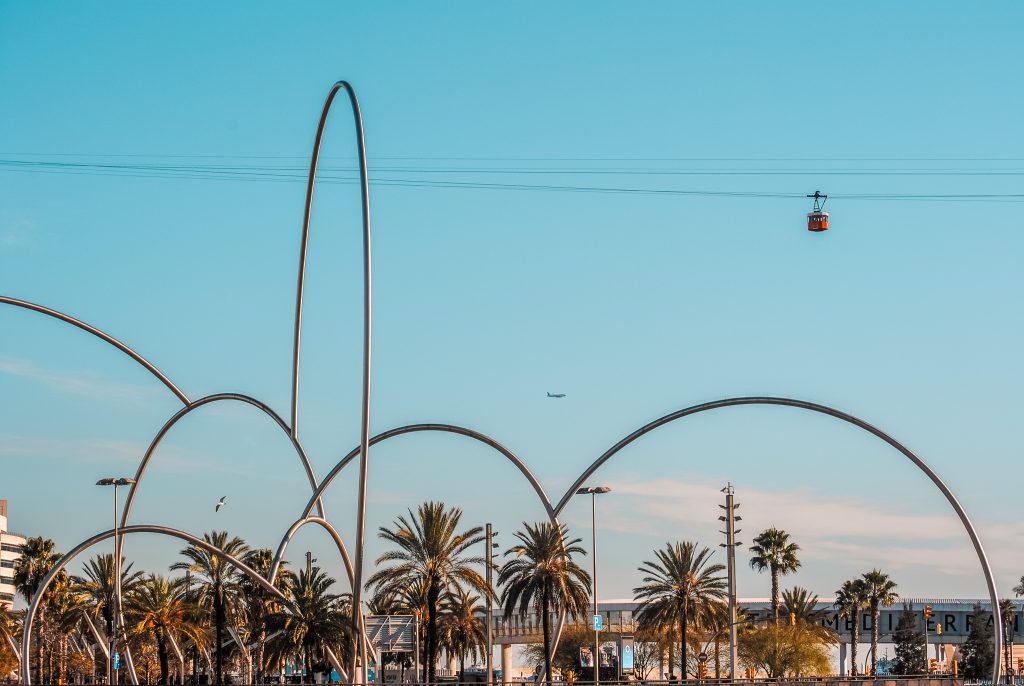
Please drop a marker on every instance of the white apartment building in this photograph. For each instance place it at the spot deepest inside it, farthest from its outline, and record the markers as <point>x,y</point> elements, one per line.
<point>10,552</point>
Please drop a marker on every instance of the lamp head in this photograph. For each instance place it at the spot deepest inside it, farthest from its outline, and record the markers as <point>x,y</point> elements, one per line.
<point>119,481</point>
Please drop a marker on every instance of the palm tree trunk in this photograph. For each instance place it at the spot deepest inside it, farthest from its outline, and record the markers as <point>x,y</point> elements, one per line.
<point>261,645</point>
<point>854,640</point>
<point>671,656</point>
<point>1006,646</point>
<point>682,639</point>
<point>718,656</point>
<point>39,645</point>
<point>161,652</point>
<point>547,637</point>
<point>775,593</point>
<point>876,613</point>
<point>432,598</point>
<point>218,620</point>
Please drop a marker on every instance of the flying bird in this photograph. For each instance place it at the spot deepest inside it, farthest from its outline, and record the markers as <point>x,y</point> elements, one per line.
<point>220,503</point>
<point>556,395</point>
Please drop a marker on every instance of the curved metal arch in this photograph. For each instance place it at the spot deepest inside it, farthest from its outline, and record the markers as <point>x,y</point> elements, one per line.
<point>26,674</point>
<point>238,397</point>
<point>103,336</point>
<point>275,566</point>
<point>364,415</point>
<point>293,529</point>
<point>443,428</point>
<point>997,634</point>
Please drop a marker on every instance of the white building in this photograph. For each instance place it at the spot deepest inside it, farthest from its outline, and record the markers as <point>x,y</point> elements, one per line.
<point>10,552</point>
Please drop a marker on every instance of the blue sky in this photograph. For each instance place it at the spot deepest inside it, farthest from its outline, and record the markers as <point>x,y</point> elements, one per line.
<point>905,313</point>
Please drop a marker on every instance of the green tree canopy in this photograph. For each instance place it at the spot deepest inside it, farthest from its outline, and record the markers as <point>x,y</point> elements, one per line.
<point>786,650</point>
<point>909,645</point>
<point>774,551</point>
<point>977,651</point>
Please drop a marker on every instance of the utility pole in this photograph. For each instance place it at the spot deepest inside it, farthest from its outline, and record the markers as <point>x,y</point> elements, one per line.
<point>490,622</point>
<point>730,518</point>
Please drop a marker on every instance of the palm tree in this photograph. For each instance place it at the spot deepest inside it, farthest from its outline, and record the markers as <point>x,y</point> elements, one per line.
<point>1009,612</point>
<point>9,625</point>
<point>157,607</point>
<point>463,631</point>
<point>880,591</point>
<point>218,588</point>
<point>36,561</point>
<point>65,606</point>
<point>1018,590</point>
<point>772,550</point>
<point>799,604</point>
<point>680,588</point>
<point>96,586</point>
<point>260,605</point>
<point>430,555</point>
<point>542,576</point>
<point>324,621</point>
<point>851,600</point>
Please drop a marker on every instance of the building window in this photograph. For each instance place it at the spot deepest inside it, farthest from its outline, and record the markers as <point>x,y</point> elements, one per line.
<point>8,548</point>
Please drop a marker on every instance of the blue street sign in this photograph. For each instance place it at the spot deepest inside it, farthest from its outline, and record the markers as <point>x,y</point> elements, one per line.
<point>117,660</point>
<point>598,622</point>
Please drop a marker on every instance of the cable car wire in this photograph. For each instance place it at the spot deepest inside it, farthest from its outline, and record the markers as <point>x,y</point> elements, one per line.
<point>294,174</point>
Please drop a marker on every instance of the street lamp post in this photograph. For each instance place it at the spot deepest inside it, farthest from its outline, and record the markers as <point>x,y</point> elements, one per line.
<point>488,663</point>
<point>593,491</point>
<point>116,605</point>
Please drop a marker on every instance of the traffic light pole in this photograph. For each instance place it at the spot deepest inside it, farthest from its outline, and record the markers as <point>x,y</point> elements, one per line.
<point>928,614</point>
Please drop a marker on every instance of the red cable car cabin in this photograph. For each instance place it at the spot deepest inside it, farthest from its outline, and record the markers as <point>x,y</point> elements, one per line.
<point>817,221</point>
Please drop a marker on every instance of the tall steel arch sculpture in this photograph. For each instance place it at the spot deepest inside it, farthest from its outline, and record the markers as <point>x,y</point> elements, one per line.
<point>364,415</point>
<point>997,635</point>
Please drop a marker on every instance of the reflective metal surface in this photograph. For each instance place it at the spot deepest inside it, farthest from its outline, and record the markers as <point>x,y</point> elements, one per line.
<point>107,338</point>
<point>364,417</point>
<point>997,634</point>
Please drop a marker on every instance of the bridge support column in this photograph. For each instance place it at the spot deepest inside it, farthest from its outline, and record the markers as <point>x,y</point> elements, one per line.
<point>506,663</point>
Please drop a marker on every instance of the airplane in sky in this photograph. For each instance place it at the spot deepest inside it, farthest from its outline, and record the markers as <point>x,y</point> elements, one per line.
<point>556,395</point>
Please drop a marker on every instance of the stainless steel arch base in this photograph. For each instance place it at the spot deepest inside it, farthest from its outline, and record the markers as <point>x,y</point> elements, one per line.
<point>997,635</point>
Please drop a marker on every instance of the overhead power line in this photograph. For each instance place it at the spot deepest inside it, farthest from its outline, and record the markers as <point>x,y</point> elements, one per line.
<point>345,175</point>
